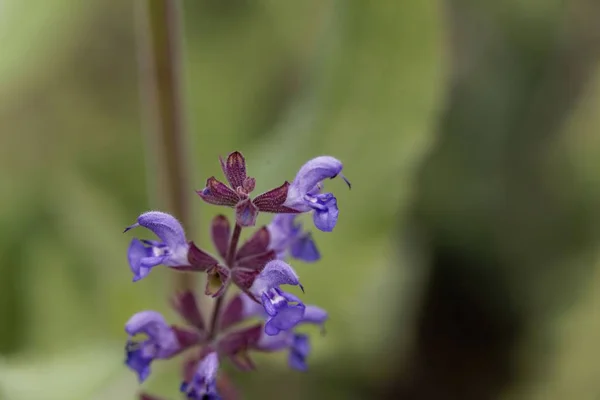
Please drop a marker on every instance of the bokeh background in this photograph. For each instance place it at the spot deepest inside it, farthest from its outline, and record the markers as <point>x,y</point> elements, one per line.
<point>465,263</point>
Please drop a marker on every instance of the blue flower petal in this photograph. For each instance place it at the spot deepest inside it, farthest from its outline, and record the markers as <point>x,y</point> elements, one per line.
<point>304,193</point>
<point>308,177</point>
<point>163,225</point>
<point>161,342</point>
<point>171,251</point>
<point>286,318</point>
<point>274,274</point>
<point>305,249</point>
<point>314,315</point>
<point>326,215</point>
<point>299,352</point>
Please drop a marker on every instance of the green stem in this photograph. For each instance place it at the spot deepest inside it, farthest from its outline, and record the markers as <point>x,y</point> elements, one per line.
<point>160,63</point>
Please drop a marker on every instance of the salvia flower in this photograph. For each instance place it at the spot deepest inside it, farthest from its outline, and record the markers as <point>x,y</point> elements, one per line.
<point>304,194</point>
<point>284,309</point>
<point>287,238</point>
<point>172,250</point>
<point>161,342</point>
<point>237,194</point>
<point>203,385</point>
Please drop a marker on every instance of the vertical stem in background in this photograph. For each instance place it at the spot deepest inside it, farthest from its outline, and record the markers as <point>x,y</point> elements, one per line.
<point>159,35</point>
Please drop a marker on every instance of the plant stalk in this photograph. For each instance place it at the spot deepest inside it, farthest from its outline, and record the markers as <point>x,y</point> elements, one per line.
<point>160,36</point>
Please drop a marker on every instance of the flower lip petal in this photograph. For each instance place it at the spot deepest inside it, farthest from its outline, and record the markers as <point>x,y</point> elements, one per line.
<point>325,220</point>
<point>136,252</point>
<point>142,273</point>
<point>285,319</point>
<point>314,315</point>
<point>305,249</point>
<point>137,361</point>
<point>163,225</point>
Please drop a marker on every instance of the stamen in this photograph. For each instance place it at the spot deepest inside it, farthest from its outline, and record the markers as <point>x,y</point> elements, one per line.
<point>346,180</point>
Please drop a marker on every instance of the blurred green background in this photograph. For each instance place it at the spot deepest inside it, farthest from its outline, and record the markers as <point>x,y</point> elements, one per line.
<point>465,262</point>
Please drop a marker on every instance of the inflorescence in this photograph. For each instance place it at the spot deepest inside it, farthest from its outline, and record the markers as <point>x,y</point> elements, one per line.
<point>257,268</point>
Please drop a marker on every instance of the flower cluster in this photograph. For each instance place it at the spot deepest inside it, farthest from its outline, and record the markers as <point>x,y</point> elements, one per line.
<point>257,267</point>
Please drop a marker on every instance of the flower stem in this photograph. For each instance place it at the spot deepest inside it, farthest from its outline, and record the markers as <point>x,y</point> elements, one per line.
<point>160,32</point>
<point>235,238</point>
<point>233,244</point>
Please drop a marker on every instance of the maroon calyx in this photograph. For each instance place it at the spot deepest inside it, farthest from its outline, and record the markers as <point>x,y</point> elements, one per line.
<point>237,194</point>
<point>186,305</point>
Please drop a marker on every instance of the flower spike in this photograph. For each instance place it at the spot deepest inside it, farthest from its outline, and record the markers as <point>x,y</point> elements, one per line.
<point>261,316</point>
<point>304,194</point>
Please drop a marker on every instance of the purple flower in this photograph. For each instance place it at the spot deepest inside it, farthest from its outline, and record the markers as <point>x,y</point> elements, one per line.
<point>284,309</point>
<point>203,385</point>
<point>288,238</point>
<point>161,342</point>
<point>298,344</point>
<point>237,194</point>
<point>304,194</point>
<point>171,250</point>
